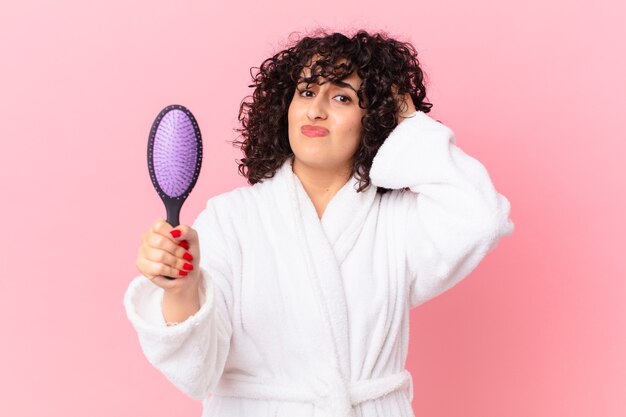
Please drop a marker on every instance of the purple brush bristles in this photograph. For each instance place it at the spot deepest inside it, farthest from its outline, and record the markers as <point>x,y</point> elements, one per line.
<point>175,153</point>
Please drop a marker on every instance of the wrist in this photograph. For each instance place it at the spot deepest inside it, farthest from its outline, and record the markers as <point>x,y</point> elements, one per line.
<point>181,295</point>
<point>175,313</point>
<point>178,306</point>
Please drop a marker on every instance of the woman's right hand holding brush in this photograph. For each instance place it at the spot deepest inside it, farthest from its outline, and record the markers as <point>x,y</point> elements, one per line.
<point>172,252</point>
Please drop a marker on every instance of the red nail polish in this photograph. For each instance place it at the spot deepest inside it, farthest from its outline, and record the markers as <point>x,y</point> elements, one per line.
<point>187,256</point>
<point>175,233</point>
<point>188,267</point>
<point>182,273</point>
<point>184,244</point>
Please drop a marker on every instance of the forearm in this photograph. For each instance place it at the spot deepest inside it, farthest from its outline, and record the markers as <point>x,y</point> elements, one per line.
<point>178,307</point>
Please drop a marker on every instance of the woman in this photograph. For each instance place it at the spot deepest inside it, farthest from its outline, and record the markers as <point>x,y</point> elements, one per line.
<point>361,208</point>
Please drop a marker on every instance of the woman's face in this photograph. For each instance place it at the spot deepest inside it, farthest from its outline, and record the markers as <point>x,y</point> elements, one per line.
<point>325,122</point>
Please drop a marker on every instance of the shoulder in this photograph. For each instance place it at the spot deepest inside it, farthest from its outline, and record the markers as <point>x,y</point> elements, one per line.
<point>237,204</point>
<point>245,206</point>
<point>227,199</point>
<point>243,197</point>
<point>219,223</point>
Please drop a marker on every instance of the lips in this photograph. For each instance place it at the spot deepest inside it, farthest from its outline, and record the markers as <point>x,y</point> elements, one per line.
<point>314,131</point>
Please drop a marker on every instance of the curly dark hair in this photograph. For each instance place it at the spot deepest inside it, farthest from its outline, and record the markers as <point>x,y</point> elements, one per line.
<point>381,62</point>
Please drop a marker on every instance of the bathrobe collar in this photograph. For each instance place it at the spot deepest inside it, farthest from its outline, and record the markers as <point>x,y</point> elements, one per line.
<point>324,245</point>
<point>344,215</point>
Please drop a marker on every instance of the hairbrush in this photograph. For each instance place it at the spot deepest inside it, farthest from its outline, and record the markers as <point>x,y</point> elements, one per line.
<point>174,157</point>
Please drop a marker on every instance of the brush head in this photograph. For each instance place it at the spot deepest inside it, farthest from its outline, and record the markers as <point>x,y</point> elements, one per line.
<point>175,151</point>
<point>174,157</point>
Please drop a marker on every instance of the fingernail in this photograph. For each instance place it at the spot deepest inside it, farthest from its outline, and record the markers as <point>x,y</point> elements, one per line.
<point>187,256</point>
<point>184,244</point>
<point>188,267</point>
<point>175,233</point>
<point>182,273</point>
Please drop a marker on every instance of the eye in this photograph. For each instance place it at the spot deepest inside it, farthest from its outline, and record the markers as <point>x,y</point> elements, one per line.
<point>303,91</point>
<point>346,99</point>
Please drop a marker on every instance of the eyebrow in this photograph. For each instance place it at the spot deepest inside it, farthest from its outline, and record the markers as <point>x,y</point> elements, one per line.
<point>337,83</point>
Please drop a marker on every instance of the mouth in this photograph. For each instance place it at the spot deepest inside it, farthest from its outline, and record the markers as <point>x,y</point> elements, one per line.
<point>314,131</point>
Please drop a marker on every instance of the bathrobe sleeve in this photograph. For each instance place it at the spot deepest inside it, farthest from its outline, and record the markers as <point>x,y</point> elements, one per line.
<point>450,217</point>
<point>192,354</point>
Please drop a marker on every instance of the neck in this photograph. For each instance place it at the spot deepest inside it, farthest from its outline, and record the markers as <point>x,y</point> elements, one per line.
<point>321,185</point>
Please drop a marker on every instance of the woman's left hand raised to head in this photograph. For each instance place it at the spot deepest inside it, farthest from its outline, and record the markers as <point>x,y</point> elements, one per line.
<point>405,105</point>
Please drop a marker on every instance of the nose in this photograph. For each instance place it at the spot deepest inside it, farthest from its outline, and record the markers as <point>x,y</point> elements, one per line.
<point>317,107</point>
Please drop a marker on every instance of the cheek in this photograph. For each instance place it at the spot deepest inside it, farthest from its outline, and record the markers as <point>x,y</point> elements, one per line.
<point>355,127</point>
<point>293,114</point>
<point>351,137</point>
<point>356,130</point>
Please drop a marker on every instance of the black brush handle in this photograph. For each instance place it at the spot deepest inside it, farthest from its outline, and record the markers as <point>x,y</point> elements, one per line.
<point>173,206</point>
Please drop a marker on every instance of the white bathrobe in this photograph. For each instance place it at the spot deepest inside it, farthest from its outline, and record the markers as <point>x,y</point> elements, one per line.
<point>303,317</point>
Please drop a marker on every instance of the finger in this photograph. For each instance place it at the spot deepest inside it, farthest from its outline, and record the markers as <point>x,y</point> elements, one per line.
<point>181,262</point>
<point>160,237</point>
<point>159,224</point>
<point>409,102</point>
<point>169,284</point>
<point>161,256</point>
<point>153,269</point>
<point>162,227</point>
<point>159,249</point>
<point>158,240</point>
<point>186,233</point>
<point>178,234</point>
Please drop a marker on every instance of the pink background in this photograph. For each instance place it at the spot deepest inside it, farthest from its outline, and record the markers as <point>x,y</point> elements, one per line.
<point>535,90</point>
